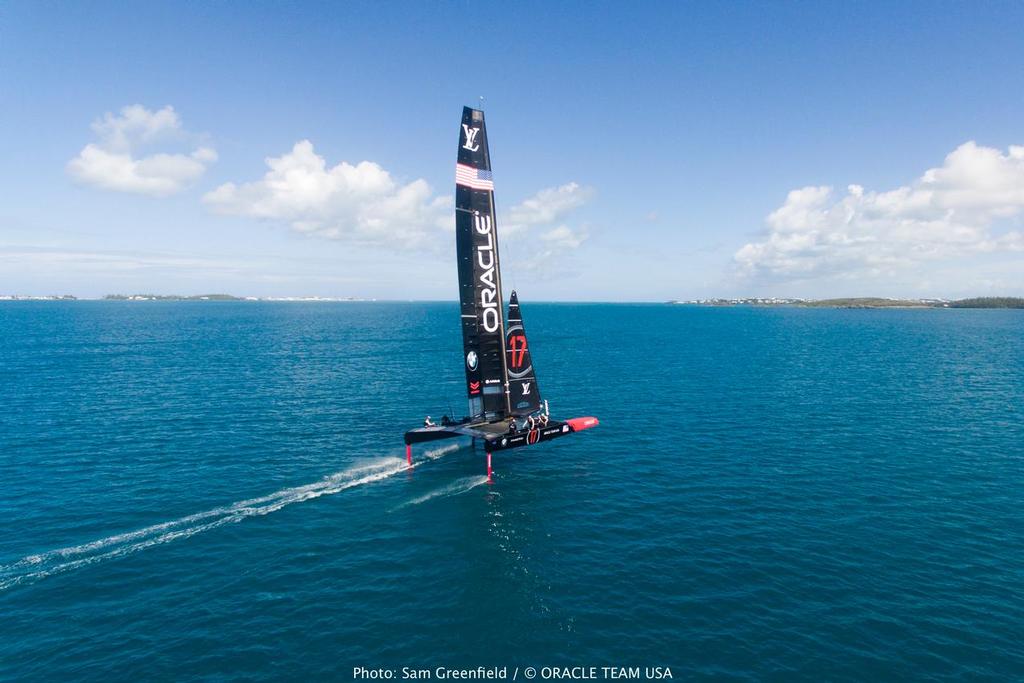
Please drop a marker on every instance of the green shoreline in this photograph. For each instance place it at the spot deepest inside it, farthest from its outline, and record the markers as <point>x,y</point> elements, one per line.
<point>867,302</point>
<point>849,302</point>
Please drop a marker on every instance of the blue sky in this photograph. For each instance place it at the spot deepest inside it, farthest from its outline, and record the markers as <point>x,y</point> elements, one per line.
<point>641,152</point>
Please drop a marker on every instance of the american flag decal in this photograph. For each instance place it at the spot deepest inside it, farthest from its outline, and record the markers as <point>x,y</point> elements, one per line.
<point>476,178</point>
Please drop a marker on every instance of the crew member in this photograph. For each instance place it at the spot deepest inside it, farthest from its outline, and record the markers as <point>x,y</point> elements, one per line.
<point>428,422</point>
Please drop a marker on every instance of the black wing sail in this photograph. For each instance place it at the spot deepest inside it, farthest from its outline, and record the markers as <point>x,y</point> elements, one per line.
<point>476,240</point>
<point>522,379</point>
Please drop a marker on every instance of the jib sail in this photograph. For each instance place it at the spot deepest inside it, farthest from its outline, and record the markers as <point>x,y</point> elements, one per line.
<point>524,394</point>
<point>476,240</point>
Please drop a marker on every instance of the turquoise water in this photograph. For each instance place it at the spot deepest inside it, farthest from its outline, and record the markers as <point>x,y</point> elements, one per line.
<point>217,491</point>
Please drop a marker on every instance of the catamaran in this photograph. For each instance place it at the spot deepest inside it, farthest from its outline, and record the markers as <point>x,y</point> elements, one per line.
<point>505,406</point>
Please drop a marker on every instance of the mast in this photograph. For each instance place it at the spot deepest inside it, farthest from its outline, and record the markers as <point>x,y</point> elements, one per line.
<point>480,295</point>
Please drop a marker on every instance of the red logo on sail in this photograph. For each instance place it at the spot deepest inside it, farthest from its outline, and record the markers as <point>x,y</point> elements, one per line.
<point>517,349</point>
<point>474,387</point>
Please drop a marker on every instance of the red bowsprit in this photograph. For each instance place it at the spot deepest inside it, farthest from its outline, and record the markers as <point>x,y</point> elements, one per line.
<point>578,424</point>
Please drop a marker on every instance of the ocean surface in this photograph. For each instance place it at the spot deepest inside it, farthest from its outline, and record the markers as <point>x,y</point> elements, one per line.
<point>217,491</point>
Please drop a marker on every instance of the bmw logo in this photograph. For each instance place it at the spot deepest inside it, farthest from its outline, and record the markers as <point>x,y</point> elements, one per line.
<point>471,360</point>
<point>504,442</point>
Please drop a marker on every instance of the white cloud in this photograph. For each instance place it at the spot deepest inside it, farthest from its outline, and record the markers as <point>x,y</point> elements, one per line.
<point>543,210</point>
<point>135,125</point>
<point>361,203</point>
<point>949,212</point>
<point>564,237</point>
<point>540,260</point>
<point>547,206</point>
<point>113,162</point>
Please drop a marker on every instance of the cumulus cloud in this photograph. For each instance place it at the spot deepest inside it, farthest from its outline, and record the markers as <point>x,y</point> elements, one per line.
<point>544,211</point>
<point>950,211</point>
<point>546,207</point>
<point>564,237</point>
<point>116,161</point>
<point>361,203</point>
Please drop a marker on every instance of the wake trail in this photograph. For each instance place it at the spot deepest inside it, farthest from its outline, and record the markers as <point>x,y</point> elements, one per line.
<point>149,531</point>
<point>453,489</point>
<point>38,566</point>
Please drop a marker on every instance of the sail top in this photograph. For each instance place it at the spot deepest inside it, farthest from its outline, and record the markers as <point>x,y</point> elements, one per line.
<point>473,149</point>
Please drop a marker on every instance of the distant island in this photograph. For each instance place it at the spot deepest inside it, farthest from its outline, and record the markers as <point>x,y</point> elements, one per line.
<point>849,302</point>
<point>173,297</point>
<point>176,297</point>
<point>222,297</point>
<point>865,302</point>
<point>989,302</point>
<point>25,297</point>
